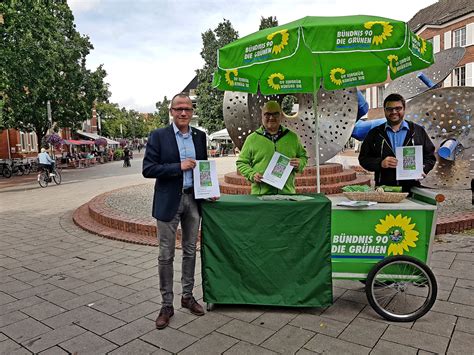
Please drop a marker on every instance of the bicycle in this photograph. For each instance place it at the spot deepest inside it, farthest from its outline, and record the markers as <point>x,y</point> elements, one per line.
<point>5,169</point>
<point>44,179</point>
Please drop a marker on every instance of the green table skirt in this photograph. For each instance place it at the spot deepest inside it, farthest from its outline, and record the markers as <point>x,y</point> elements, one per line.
<point>267,252</point>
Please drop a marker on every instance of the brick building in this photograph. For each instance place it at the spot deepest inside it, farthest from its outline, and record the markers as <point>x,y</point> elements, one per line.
<point>446,24</point>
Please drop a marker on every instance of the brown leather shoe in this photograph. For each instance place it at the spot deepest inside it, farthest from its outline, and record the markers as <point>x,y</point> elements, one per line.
<point>164,317</point>
<point>191,304</point>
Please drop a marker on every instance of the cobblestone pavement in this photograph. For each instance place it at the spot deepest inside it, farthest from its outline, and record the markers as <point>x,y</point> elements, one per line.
<point>63,290</point>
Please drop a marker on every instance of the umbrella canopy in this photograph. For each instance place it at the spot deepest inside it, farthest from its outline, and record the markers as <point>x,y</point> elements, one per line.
<point>341,52</point>
<point>223,134</point>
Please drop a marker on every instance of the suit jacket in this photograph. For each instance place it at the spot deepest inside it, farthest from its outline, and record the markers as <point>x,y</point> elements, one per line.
<point>163,163</point>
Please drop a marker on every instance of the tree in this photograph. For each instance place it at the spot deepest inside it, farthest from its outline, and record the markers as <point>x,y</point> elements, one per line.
<point>162,111</point>
<point>209,100</point>
<point>268,22</point>
<point>44,59</point>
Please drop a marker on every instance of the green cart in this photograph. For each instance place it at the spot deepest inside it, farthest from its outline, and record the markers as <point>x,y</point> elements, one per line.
<point>286,253</point>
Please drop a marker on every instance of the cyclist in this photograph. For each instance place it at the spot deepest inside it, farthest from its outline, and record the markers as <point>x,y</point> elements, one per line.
<point>45,161</point>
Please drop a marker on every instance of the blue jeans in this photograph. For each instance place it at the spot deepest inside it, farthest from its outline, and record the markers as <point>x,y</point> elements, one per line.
<point>188,215</point>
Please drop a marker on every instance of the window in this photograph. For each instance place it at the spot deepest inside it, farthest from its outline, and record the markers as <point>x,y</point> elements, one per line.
<point>459,76</point>
<point>459,37</point>
<point>23,141</point>
<point>380,92</point>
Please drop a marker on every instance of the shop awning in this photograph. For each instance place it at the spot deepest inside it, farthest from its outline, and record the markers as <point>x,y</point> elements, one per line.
<point>96,136</point>
<point>77,142</point>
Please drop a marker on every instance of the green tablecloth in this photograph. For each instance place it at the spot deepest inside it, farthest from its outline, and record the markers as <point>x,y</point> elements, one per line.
<point>267,252</point>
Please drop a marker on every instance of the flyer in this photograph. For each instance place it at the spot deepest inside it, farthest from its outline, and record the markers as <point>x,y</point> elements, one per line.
<point>206,184</point>
<point>278,171</point>
<point>410,162</point>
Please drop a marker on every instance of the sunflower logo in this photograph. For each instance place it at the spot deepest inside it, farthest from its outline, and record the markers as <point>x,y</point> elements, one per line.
<point>392,58</point>
<point>228,78</point>
<point>402,235</point>
<point>423,45</point>
<point>387,30</point>
<point>277,48</point>
<point>271,78</point>
<point>332,75</point>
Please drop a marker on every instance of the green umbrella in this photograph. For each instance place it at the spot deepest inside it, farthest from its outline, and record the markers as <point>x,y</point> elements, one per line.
<point>341,52</point>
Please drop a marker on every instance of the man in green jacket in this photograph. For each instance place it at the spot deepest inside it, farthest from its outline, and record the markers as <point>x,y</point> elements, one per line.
<point>260,146</point>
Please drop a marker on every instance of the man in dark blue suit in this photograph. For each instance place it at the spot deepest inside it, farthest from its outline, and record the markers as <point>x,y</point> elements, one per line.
<point>170,157</point>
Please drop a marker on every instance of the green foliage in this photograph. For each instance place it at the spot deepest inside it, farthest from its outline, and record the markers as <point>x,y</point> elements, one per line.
<point>162,112</point>
<point>209,100</point>
<point>268,22</point>
<point>44,59</point>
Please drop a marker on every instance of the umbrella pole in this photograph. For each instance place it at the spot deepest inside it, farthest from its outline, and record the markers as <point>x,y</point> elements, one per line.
<point>316,127</point>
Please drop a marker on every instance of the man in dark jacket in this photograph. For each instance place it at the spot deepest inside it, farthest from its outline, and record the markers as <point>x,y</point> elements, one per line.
<point>170,157</point>
<point>377,152</point>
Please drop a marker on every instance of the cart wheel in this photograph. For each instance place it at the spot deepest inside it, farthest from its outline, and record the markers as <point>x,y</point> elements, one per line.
<point>209,307</point>
<point>401,288</point>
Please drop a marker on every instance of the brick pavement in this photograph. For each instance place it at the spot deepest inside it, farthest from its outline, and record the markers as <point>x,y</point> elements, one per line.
<point>63,290</point>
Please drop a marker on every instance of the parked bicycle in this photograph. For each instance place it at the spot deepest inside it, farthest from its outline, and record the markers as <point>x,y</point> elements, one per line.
<point>44,177</point>
<point>5,169</point>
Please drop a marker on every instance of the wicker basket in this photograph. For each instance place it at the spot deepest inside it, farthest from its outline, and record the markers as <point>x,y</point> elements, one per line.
<point>384,197</point>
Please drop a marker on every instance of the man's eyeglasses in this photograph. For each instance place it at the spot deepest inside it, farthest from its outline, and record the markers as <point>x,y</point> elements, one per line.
<point>180,109</point>
<point>271,114</point>
<point>394,109</point>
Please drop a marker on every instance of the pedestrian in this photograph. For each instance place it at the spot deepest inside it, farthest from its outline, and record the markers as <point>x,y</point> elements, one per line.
<point>259,147</point>
<point>377,152</point>
<point>170,157</point>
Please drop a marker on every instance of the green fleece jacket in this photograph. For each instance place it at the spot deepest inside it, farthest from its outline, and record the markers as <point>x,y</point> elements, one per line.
<point>257,153</point>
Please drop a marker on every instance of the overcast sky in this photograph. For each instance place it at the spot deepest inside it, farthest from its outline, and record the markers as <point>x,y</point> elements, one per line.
<point>150,48</point>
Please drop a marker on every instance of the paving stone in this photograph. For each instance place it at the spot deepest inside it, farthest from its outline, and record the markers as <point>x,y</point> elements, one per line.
<point>465,283</point>
<point>24,329</point>
<point>27,276</point>
<point>91,287</point>
<point>137,346</point>
<point>35,291</point>
<point>461,343</point>
<point>55,350</point>
<point>416,339</point>
<point>355,296</point>
<point>109,305</point>
<point>244,348</point>
<point>169,339</point>
<point>116,291</point>
<point>51,338</point>
<point>149,294</point>
<point>43,310</point>
<point>87,343</point>
<point>137,311</point>
<point>57,296</point>
<point>364,332</point>
<point>244,313</point>
<point>9,347</point>
<point>443,256</point>
<point>324,344</point>
<point>130,331</point>
<point>288,339</point>
<point>14,286</point>
<point>436,323</point>
<point>384,347</point>
<point>82,300</point>
<point>214,343</point>
<point>319,324</point>
<point>5,298</point>
<point>455,309</point>
<point>87,318</point>
<point>206,324</point>
<point>123,280</point>
<point>144,284</point>
<point>369,313</point>
<point>343,311</point>
<point>245,331</point>
<point>275,319</point>
<point>462,295</point>
<point>445,283</point>
<point>465,325</point>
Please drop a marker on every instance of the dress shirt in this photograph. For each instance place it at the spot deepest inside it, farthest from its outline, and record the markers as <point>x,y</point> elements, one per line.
<point>186,151</point>
<point>397,138</point>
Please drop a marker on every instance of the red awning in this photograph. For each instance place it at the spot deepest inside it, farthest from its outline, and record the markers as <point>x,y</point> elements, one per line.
<point>78,142</point>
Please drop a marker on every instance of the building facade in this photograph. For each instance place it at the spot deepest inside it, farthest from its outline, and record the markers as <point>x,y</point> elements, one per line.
<point>446,24</point>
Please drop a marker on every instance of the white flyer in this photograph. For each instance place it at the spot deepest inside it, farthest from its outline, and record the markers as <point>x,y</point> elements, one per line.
<point>206,184</point>
<point>277,171</point>
<point>410,162</point>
